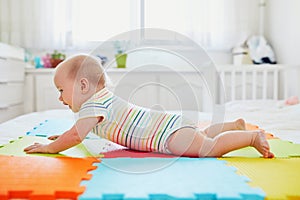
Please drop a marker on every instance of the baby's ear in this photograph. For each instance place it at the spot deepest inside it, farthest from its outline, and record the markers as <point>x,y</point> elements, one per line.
<point>84,85</point>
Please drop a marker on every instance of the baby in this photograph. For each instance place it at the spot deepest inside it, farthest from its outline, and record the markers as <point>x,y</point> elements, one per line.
<point>81,82</point>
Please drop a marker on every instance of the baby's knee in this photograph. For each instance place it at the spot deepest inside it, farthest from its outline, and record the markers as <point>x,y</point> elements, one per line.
<point>185,142</point>
<point>206,147</point>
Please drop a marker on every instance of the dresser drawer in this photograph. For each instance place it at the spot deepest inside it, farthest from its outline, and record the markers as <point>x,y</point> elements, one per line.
<point>11,70</point>
<point>12,93</point>
<point>9,112</point>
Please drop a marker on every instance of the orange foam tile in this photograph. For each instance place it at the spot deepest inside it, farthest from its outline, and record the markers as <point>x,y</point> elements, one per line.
<point>43,177</point>
<point>248,127</point>
<point>255,127</point>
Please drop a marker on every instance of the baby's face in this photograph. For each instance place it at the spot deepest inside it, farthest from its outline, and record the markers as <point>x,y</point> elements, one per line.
<point>68,89</point>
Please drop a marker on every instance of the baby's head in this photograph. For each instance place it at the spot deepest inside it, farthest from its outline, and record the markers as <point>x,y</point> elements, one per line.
<point>77,79</point>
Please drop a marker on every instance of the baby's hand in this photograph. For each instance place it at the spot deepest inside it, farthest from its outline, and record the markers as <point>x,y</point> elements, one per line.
<point>37,148</point>
<point>53,137</point>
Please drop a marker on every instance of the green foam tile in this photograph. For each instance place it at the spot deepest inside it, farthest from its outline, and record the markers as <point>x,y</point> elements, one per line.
<point>280,148</point>
<point>16,148</point>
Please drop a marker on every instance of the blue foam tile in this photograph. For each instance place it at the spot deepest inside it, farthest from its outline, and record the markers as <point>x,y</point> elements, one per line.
<point>54,127</point>
<point>167,178</point>
<point>51,127</point>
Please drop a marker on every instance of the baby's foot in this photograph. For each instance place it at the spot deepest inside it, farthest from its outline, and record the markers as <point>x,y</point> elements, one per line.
<point>260,142</point>
<point>240,124</point>
<point>251,127</point>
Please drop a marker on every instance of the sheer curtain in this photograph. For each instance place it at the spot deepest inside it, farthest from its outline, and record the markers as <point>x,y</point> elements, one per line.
<point>215,24</point>
<point>62,24</point>
<point>36,24</point>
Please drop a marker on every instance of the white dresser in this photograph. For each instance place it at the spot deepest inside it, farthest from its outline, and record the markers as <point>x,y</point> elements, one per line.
<point>12,76</point>
<point>157,89</point>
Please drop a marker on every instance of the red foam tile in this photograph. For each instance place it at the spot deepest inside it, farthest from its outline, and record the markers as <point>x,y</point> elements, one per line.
<point>126,153</point>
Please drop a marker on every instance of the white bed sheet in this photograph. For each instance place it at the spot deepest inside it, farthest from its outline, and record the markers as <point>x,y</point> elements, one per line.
<point>273,116</point>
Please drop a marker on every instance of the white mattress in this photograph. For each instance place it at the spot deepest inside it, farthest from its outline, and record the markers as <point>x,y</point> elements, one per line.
<point>282,121</point>
<point>273,116</point>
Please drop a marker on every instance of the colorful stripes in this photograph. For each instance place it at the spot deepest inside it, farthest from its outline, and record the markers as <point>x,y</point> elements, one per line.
<point>130,125</point>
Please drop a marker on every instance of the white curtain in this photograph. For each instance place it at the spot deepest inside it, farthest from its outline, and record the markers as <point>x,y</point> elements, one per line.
<point>60,24</point>
<point>215,24</point>
<point>36,24</point>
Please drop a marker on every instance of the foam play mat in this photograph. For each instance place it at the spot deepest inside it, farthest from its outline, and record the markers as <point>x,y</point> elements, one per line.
<point>16,148</point>
<point>280,148</point>
<point>43,177</point>
<point>172,178</point>
<point>278,178</point>
<point>127,174</point>
<point>54,127</point>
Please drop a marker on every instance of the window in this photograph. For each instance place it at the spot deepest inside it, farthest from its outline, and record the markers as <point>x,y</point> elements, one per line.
<point>99,20</point>
<point>217,24</point>
<point>62,24</point>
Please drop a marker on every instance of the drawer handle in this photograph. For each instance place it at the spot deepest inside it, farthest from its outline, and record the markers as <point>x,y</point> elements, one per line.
<point>11,82</point>
<point>4,107</point>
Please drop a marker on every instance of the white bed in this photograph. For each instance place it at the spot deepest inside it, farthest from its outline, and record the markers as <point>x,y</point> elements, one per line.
<point>271,115</point>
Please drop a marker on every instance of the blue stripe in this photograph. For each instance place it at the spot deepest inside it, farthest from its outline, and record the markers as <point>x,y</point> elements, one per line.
<point>135,127</point>
<point>96,106</point>
<point>88,103</point>
<point>146,122</point>
<point>128,131</point>
<point>175,121</point>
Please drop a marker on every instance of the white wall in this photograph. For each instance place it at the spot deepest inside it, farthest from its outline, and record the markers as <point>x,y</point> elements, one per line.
<point>282,29</point>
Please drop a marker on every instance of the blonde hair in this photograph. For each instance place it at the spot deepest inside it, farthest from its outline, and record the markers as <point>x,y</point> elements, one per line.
<point>85,66</point>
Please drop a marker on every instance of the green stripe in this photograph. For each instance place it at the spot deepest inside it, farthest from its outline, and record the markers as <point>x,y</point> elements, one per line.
<point>160,132</point>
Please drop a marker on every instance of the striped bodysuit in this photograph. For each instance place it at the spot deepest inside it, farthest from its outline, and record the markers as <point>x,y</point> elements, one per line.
<point>129,125</point>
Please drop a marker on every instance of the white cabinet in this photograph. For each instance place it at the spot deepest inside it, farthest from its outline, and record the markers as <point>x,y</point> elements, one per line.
<point>139,88</point>
<point>46,93</point>
<point>41,93</point>
<point>11,88</point>
<point>155,89</point>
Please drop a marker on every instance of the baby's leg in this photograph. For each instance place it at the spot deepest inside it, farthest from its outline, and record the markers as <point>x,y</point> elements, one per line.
<point>233,140</point>
<point>188,142</point>
<point>216,129</point>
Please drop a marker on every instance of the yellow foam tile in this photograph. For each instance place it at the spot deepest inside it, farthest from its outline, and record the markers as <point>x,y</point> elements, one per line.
<point>278,178</point>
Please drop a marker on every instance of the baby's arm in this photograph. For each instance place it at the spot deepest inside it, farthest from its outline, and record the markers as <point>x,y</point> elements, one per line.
<point>68,139</point>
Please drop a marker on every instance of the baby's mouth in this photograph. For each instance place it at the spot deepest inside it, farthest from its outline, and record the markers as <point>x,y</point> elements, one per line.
<point>67,105</point>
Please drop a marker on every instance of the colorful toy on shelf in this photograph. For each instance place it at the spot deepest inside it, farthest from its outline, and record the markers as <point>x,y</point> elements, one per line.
<point>56,58</point>
<point>120,53</point>
<point>47,61</point>
<point>37,62</point>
